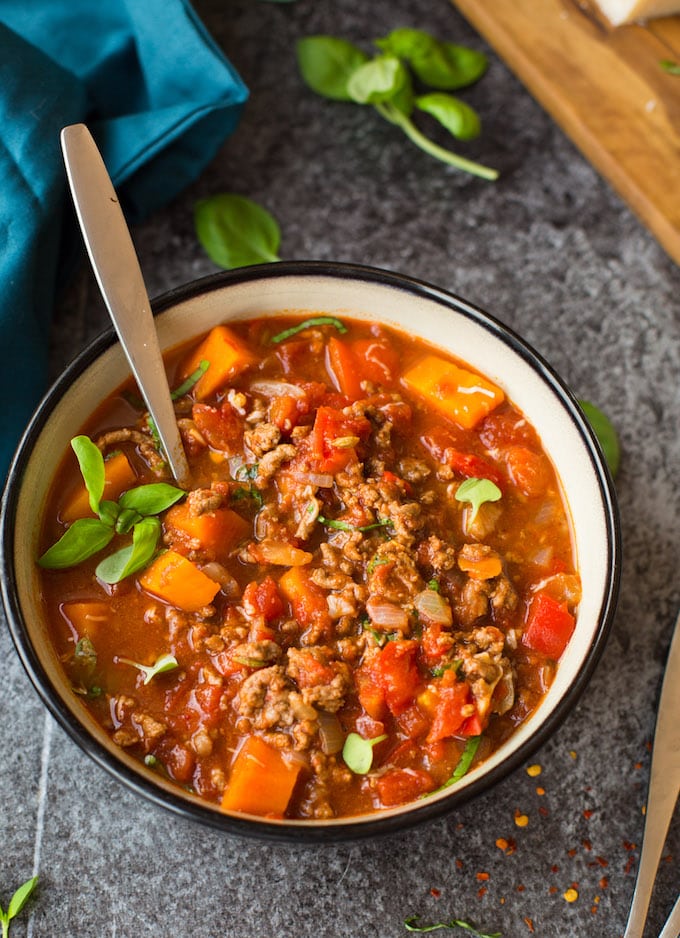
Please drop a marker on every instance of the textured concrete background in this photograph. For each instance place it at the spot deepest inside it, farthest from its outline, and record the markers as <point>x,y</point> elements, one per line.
<point>550,250</point>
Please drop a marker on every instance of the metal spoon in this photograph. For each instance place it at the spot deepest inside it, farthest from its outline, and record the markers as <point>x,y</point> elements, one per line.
<point>116,267</point>
<point>664,786</point>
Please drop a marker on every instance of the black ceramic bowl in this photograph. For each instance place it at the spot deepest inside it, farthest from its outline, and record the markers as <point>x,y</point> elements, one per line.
<point>334,289</point>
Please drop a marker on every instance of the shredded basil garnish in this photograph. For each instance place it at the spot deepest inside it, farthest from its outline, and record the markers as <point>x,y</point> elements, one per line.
<point>193,379</point>
<point>314,321</point>
<point>411,924</point>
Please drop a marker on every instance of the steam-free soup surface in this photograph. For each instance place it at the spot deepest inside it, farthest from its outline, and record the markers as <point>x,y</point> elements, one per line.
<point>366,591</point>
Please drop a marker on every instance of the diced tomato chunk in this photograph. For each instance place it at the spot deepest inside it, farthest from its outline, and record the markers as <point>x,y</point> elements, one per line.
<point>413,722</point>
<point>178,760</point>
<point>528,470</point>
<point>450,710</point>
<point>398,786</point>
<point>263,599</point>
<point>549,626</point>
<point>221,427</point>
<point>398,674</point>
<point>447,448</point>
<point>332,427</point>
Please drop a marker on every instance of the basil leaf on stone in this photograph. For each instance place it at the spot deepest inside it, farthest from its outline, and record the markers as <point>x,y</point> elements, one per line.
<point>455,115</point>
<point>91,464</point>
<point>442,65</point>
<point>84,538</point>
<point>326,64</point>
<point>235,231</point>
<point>377,81</point>
<point>136,556</point>
<point>151,499</point>
<point>606,435</point>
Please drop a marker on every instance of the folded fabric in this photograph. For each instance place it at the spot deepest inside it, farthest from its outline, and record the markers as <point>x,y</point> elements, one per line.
<point>159,97</point>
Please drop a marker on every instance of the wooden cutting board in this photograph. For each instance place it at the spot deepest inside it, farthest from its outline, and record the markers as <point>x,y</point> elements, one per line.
<point>605,88</point>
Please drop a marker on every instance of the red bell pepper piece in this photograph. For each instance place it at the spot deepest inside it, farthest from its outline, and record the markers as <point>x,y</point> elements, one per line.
<point>549,626</point>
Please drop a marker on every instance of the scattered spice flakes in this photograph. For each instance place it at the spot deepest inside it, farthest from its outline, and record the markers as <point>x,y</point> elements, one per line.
<point>638,765</point>
<point>435,893</point>
<point>604,883</point>
<point>482,877</point>
<point>481,892</point>
<point>539,790</point>
<point>586,845</point>
<point>534,770</point>
<point>507,845</point>
<point>552,890</point>
<point>587,815</point>
<point>571,894</point>
<point>572,753</point>
<point>459,864</point>
<point>554,868</point>
<point>521,887</point>
<point>543,811</point>
<point>529,924</point>
<point>572,853</point>
<point>521,820</point>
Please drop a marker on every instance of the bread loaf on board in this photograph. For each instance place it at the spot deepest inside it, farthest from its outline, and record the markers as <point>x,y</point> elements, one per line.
<point>630,11</point>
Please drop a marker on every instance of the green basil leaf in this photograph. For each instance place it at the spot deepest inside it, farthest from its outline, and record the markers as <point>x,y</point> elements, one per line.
<point>235,231</point>
<point>377,81</point>
<point>129,560</point>
<point>108,512</point>
<point>126,520</point>
<point>358,752</point>
<point>412,924</point>
<point>669,66</point>
<point>151,499</point>
<point>476,492</point>
<point>404,99</point>
<point>161,665</point>
<point>307,324</point>
<point>442,65</point>
<point>455,115</point>
<point>20,897</point>
<point>189,382</point>
<point>85,537</point>
<point>326,64</point>
<point>91,464</point>
<point>606,435</point>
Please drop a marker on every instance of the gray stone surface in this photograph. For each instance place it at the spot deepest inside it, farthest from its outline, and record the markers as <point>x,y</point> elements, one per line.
<point>553,252</point>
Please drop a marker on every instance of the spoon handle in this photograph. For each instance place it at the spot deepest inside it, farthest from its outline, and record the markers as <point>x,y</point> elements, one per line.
<point>664,785</point>
<point>116,267</point>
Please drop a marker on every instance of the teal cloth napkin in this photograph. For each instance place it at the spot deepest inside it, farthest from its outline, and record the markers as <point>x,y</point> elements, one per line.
<point>159,98</point>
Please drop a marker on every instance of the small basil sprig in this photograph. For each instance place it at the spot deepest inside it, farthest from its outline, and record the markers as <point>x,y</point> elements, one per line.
<point>133,511</point>
<point>476,492</point>
<point>358,752</point>
<point>16,904</point>
<point>334,68</point>
<point>235,231</point>
<point>308,324</point>
<point>162,664</point>
<point>669,66</point>
<point>606,435</point>
<point>412,924</point>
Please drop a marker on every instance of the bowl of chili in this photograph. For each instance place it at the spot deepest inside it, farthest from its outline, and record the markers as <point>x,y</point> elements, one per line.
<point>391,579</point>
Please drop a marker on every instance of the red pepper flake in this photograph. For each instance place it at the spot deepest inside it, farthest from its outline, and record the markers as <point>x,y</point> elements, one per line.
<point>507,845</point>
<point>543,811</point>
<point>482,891</point>
<point>554,868</point>
<point>529,924</point>
<point>552,890</point>
<point>435,893</point>
<point>572,753</point>
<point>601,861</point>
<point>540,791</point>
<point>572,852</point>
<point>459,864</point>
<point>630,862</point>
<point>627,845</point>
<point>638,765</point>
<point>587,845</point>
<point>587,815</point>
<point>668,858</point>
<point>521,888</point>
<point>482,877</point>
<point>604,883</point>
<point>648,745</point>
<point>593,908</point>
<point>502,900</point>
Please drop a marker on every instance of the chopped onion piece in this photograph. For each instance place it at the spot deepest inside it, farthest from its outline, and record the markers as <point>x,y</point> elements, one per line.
<point>323,480</point>
<point>386,615</point>
<point>330,733</point>
<point>432,606</point>
<point>280,553</point>
<point>276,389</point>
<point>221,575</point>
